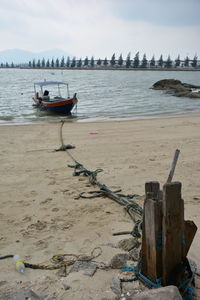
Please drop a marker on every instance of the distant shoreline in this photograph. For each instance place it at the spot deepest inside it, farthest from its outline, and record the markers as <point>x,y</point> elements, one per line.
<point>106,69</point>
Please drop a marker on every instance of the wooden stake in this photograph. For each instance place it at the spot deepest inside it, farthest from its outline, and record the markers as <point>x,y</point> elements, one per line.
<point>151,232</point>
<point>173,229</point>
<point>190,230</point>
<point>173,166</point>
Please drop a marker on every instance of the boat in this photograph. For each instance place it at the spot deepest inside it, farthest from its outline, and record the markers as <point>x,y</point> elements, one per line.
<point>48,97</point>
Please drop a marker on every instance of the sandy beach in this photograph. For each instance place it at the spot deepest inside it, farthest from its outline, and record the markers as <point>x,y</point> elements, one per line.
<point>41,214</point>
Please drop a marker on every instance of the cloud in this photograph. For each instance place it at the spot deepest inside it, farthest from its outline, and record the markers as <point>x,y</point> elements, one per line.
<point>101,28</point>
<point>160,12</point>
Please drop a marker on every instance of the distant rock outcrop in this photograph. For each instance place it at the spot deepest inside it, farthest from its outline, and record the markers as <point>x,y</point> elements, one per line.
<point>177,88</point>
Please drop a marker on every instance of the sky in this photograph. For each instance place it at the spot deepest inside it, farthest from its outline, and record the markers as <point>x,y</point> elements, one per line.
<point>100,28</point>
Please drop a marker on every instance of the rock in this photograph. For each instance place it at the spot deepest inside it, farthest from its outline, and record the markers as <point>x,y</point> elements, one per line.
<point>119,260</point>
<point>88,267</point>
<point>177,88</point>
<point>2,282</point>
<point>195,95</point>
<point>128,244</point>
<point>132,288</point>
<point>194,267</point>
<point>182,94</point>
<point>116,286</point>
<point>164,293</point>
<point>127,276</point>
<point>21,295</point>
<point>135,254</point>
<point>166,84</point>
<point>197,287</point>
<point>66,286</point>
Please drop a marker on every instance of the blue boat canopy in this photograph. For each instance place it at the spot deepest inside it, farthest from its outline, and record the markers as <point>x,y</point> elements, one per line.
<point>44,83</point>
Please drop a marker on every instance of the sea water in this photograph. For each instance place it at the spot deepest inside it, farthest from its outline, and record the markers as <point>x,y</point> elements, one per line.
<point>103,95</point>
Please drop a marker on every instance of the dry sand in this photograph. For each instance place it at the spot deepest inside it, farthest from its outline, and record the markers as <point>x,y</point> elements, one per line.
<point>40,215</point>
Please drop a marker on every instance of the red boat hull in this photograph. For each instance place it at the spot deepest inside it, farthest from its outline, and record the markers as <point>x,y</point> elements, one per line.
<point>63,107</point>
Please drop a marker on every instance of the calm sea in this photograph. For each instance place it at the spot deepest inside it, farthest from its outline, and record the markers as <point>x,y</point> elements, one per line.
<point>102,95</point>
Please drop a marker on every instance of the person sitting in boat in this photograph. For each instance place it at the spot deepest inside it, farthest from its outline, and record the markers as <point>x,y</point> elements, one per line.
<point>46,95</point>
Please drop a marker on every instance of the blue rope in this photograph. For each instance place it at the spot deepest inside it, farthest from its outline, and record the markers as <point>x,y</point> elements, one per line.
<point>189,293</point>
<point>186,291</point>
<point>140,276</point>
<point>147,281</point>
<point>127,269</point>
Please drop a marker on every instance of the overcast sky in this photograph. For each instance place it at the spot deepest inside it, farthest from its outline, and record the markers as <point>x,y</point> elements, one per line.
<point>102,27</point>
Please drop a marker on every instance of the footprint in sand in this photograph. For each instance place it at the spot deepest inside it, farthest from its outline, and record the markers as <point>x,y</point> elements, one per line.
<point>55,209</point>
<point>47,200</point>
<point>3,283</point>
<point>25,233</point>
<point>24,203</point>
<point>65,191</point>
<point>133,167</point>
<point>39,225</point>
<point>52,182</point>
<point>41,244</point>
<point>92,223</point>
<point>3,241</point>
<point>81,179</point>
<point>152,159</point>
<point>196,199</point>
<point>87,242</point>
<point>27,219</point>
<point>32,193</point>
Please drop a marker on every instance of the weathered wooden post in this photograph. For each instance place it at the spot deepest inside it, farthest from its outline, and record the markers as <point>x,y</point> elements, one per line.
<point>152,232</point>
<point>166,237</point>
<point>190,231</point>
<point>173,229</point>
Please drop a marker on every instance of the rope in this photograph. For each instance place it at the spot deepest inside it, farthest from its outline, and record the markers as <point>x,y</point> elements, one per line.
<point>58,261</point>
<point>130,206</point>
<point>6,256</point>
<point>185,286</point>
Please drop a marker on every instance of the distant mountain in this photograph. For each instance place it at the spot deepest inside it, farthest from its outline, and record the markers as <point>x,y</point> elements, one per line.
<point>22,56</point>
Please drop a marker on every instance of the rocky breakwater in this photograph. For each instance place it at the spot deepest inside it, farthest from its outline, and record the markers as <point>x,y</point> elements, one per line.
<point>177,88</point>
